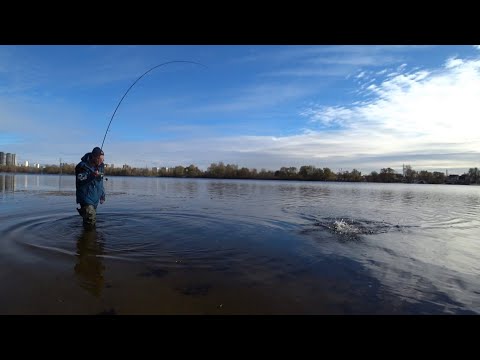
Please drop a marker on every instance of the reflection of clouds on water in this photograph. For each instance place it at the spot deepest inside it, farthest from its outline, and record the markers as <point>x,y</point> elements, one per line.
<point>419,274</point>
<point>431,288</point>
<point>89,267</point>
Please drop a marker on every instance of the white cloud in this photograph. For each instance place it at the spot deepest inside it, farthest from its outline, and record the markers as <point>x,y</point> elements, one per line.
<point>359,76</point>
<point>476,47</point>
<point>412,113</point>
<point>329,115</point>
<point>453,62</point>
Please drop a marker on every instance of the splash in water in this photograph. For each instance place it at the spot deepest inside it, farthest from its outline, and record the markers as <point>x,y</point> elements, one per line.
<point>344,228</point>
<point>354,228</point>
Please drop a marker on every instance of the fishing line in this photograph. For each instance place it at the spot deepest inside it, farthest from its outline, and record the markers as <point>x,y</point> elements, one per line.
<point>157,66</point>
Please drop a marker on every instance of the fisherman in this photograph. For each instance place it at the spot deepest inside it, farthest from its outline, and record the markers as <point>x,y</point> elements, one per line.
<point>89,185</point>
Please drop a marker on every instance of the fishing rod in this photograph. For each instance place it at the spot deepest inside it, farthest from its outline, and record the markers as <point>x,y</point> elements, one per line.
<point>157,66</point>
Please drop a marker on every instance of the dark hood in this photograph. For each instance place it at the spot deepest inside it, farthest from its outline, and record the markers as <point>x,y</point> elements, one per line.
<point>86,157</point>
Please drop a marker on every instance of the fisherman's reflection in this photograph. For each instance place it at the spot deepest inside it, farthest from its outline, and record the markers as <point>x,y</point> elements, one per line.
<point>89,267</point>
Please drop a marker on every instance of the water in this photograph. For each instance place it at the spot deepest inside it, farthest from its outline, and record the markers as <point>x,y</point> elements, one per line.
<point>202,246</point>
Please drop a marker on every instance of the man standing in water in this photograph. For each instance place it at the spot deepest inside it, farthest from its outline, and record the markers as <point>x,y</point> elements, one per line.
<point>89,184</point>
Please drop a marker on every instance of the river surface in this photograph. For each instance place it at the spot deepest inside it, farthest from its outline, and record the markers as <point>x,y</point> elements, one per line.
<point>205,246</point>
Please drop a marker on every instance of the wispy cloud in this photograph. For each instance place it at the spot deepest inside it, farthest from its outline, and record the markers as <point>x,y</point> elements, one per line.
<point>254,97</point>
<point>327,60</point>
<point>309,71</point>
<point>357,60</point>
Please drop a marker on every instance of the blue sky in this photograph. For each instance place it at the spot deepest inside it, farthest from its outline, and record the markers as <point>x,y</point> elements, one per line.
<point>259,106</point>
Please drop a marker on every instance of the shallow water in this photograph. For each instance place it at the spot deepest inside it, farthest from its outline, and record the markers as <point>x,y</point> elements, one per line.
<point>202,246</point>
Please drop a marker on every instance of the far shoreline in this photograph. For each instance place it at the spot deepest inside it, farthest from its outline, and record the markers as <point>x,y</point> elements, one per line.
<point>241,178</point>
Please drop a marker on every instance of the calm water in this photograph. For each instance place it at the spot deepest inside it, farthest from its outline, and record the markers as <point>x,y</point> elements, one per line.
<point>198,246</point>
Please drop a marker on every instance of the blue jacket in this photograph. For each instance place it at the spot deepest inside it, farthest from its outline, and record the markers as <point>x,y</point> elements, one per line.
<point>89,187</point>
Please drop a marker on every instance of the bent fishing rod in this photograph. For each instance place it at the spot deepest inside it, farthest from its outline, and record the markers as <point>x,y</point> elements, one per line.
<point>145,73</point>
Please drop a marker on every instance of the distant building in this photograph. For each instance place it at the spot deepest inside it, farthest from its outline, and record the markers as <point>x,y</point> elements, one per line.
<point>8,158</point>
<point>26,163</point>
<point>452,179</point>
<point>36,166</point>
<point>154,169</point>
<point>464,179</point>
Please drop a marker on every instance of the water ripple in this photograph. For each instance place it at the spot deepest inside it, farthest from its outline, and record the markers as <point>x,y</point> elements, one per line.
<point>164,238</point>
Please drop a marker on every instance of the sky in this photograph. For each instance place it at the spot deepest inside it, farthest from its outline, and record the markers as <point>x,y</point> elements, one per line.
<point>343,107</point>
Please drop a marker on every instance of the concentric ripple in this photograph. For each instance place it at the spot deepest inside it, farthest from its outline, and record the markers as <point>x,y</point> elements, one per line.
<point>159,238</point>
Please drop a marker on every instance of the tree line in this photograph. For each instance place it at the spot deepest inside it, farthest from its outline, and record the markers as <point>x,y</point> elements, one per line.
<point>232,171</point>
